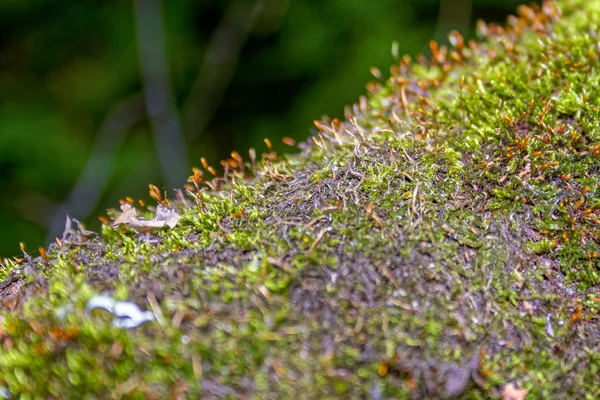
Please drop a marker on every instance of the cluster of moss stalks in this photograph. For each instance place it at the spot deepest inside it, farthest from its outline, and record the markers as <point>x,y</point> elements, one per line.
<point>441,241</point>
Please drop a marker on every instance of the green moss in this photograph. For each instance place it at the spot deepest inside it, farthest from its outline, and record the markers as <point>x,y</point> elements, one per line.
<point>449,223</point>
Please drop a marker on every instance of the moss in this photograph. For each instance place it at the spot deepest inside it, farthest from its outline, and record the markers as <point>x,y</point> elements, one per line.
<point>447,228</point>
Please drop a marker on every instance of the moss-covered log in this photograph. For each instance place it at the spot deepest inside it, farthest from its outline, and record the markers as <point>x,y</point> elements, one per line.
<point>441,241</point>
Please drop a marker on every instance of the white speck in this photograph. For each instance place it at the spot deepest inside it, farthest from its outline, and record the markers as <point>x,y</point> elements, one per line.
<point>334,277</point>
<point>549,329</point>
<point>127,314</point>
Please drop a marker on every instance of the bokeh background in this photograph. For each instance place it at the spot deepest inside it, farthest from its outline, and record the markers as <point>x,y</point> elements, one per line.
<point>99,98</point>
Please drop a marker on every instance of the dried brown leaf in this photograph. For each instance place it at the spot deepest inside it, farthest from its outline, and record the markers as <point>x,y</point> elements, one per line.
<point>164,217</point>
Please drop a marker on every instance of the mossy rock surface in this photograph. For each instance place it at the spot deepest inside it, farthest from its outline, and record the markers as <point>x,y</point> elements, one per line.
<point>441,241</point>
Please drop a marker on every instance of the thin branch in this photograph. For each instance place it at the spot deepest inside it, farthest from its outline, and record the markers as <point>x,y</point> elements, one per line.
<point>218,66</point>
<point>170,143</point>
<point>94,178</point>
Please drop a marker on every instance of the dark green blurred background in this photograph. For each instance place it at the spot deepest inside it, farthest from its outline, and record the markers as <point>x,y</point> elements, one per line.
<point>75,131</point>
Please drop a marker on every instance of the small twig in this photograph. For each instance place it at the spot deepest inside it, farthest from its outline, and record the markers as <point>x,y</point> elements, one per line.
<point>414,198</point>
<point>409,157</point>
<point>314,221</point>
<point>319,238</point>
<point>156,309</point>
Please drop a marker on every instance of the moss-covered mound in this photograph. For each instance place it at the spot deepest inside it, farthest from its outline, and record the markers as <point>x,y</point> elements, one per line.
<point>442,241</point>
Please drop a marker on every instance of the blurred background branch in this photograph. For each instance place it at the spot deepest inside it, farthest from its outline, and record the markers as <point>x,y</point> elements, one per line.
<point>218,65</point>
<point>92,182</point>
<point>169,141</point>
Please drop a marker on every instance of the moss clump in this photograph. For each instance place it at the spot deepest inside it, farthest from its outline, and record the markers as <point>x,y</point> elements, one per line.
<point>442,241</point>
